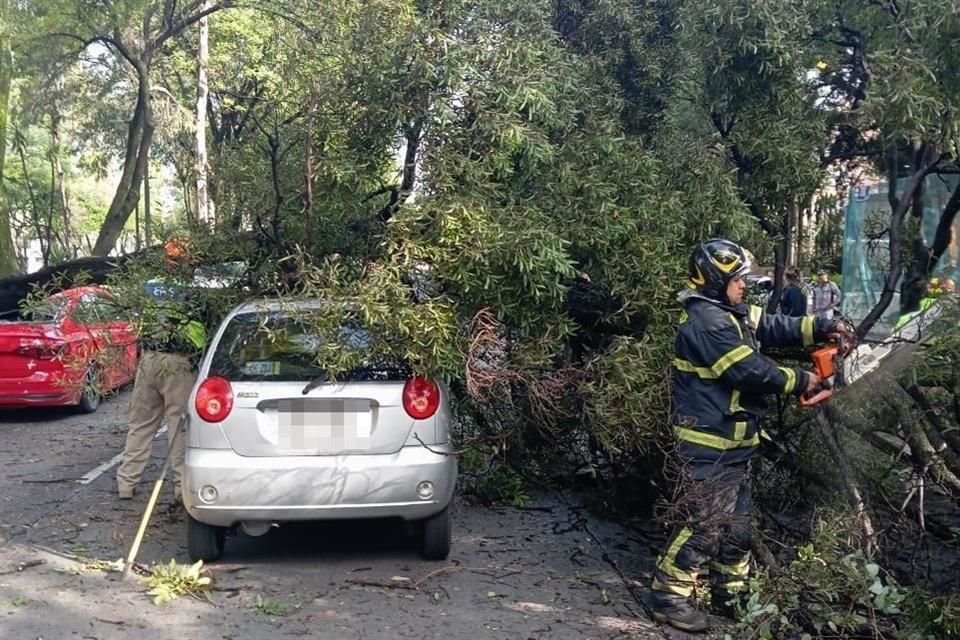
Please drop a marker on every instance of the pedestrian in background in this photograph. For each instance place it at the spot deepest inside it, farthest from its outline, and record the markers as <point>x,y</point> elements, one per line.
<point>793,302</point>
<point>826,295</point>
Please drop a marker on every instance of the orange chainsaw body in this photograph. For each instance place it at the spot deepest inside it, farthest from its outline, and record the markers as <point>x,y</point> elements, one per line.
<point>825,364</point>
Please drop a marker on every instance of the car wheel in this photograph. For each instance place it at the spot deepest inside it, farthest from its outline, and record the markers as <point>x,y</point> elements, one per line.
<point>437,534</point>
<point>204,541</point>
<point>90,395</point>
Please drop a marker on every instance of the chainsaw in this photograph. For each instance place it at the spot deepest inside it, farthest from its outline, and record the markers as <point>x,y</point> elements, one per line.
<point>827,361</point>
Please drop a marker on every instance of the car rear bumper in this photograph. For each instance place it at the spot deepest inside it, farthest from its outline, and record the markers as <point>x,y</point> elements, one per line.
<point>317,487</point>
<point>18,394</point>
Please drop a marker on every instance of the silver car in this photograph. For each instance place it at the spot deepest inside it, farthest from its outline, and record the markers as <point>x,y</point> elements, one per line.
<point>272,440</point>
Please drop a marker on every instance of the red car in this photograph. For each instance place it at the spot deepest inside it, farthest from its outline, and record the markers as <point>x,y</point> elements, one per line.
<point>69,352</point>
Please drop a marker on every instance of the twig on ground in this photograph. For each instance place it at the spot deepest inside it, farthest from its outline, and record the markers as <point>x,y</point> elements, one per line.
<point>415,585</point>
<point>23,565</point>
<point>363,582</point>
<point>436,572</point>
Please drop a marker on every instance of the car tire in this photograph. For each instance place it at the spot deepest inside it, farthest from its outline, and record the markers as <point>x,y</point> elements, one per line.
<point>437,536</point>
<point>90,394</point>
<point>204,541</point>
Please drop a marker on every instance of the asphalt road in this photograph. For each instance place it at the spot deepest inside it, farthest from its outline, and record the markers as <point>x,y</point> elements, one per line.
<point>546,571</point>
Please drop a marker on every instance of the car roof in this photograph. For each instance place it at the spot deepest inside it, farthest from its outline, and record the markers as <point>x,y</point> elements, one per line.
<point>268,305</point>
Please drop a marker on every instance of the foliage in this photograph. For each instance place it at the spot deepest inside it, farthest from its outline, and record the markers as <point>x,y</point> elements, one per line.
<point>270,607</point>
<point>831,590</point>
<point>939,363</point>
<point>489,482</point>
<point>170,581</point>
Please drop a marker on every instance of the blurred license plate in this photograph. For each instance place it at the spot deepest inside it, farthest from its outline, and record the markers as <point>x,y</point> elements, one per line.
<point>329,425</point>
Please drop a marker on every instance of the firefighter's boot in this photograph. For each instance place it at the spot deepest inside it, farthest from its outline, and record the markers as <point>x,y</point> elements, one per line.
<point>677,612</point>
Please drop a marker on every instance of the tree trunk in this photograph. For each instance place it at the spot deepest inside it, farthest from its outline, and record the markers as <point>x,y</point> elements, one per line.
<point>38,227</point>
<point>791,234</point>
<point>61,185</point>
<point>147,216</point>
<point>779,267</point>
<point>205,213</point>
<point>139,137</point>
<point>275,222</point>
<point>188,187</point>
<point>412,134</point>
<point>137,240</point>
<point>308,165</point>
<point>8,256</point>
<point>171,22</point>
<point>802,213</point>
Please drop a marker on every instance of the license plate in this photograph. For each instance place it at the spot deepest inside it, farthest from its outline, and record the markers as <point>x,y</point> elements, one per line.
<point>330,425</point>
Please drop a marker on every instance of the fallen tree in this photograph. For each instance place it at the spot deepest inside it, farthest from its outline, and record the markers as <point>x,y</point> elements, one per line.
<point>868,490</point>
<point>15,289</point>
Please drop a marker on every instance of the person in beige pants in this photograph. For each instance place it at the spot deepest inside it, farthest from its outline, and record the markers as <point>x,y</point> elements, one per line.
<point>172,338</point>
<point>160,393</point>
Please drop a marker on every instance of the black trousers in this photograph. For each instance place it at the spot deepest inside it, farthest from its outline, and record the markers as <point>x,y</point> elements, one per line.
<point>716,537</point>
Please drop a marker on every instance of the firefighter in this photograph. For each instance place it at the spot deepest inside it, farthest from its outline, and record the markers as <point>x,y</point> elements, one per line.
<point>172,336</point>
<point>719,381</point>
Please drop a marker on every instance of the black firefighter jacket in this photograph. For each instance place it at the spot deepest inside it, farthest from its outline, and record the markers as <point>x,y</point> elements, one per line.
<point>720,377</point>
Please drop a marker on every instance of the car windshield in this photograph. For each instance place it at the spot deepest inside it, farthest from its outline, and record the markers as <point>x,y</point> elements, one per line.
<point>278,347</point>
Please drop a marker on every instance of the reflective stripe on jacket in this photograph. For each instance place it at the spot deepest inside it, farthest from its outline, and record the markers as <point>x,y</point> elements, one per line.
<point>720,377</point>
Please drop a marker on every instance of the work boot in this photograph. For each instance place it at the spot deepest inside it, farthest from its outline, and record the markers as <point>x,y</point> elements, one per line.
<point>678,613</point>
<point>125,493</point>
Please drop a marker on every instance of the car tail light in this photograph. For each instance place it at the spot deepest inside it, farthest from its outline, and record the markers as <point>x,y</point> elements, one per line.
<point>421,397</point>
<point>42,350</point>
<point>214,399</point>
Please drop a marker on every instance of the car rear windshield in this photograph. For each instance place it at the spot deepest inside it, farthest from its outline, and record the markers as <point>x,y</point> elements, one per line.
<point>277,347</point>
<point>43,311</point>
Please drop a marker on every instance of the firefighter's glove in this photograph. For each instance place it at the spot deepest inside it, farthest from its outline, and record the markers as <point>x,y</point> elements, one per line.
<point>842,333</point>
<point>814,384</point>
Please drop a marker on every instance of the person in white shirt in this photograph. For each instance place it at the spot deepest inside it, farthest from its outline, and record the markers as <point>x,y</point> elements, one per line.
<point>826,295</point>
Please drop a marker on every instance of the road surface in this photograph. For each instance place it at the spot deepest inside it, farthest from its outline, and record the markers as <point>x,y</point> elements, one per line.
<point>549,570</point>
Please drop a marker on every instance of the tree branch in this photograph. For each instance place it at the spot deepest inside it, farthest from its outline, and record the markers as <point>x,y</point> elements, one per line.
<point>829,438</point>
<point>182,24</point>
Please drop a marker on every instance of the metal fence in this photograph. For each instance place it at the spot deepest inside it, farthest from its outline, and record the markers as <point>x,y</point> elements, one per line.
<point>866,255</point>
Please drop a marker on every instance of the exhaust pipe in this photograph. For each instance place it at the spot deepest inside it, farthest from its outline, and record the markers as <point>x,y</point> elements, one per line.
<point>256,528</point>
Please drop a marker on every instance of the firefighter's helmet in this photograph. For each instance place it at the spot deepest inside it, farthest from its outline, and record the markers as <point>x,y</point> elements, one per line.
<point>713,264</point>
